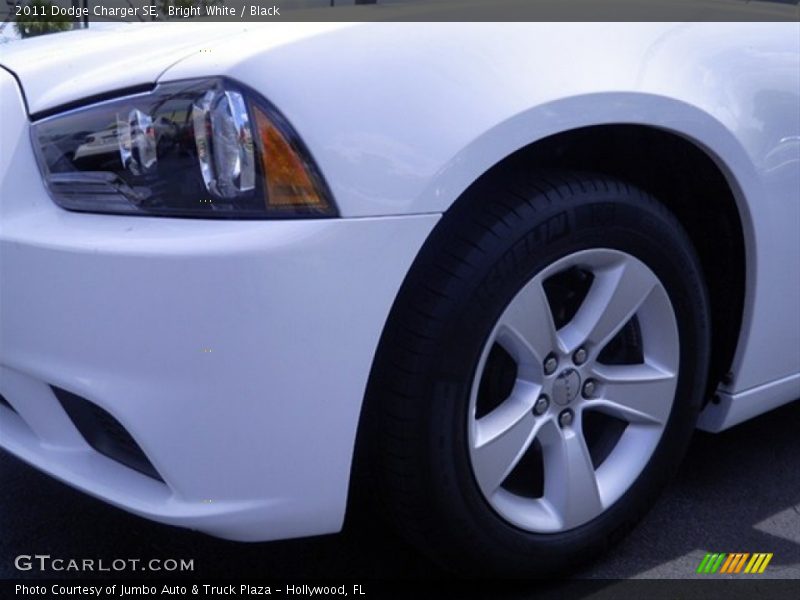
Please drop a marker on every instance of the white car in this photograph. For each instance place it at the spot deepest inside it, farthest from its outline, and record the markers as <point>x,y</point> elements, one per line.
<point>495,274</point>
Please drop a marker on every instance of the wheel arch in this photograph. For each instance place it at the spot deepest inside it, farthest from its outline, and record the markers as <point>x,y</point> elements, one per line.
<point>702,197</point>
<point>662,133</point>
<point>645,154</point>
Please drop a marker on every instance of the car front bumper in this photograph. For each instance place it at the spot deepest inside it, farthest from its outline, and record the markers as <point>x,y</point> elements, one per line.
<point>236,354</point>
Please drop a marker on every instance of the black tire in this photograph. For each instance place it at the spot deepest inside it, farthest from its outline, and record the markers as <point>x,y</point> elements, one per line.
<point>496,238</point>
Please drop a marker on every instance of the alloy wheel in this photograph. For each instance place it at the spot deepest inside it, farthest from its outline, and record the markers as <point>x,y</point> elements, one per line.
<point>573,390</point>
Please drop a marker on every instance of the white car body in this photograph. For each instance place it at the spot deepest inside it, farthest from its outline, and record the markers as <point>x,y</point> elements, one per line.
<point>237,353</point>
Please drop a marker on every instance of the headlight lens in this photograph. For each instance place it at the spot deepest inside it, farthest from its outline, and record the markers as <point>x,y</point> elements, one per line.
<point>206,148</point>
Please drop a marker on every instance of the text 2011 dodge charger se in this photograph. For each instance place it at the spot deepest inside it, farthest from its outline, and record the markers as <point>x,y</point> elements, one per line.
<point>506,268</point>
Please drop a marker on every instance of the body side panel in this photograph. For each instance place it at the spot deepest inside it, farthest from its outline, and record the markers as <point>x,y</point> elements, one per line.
<point>403,117</point>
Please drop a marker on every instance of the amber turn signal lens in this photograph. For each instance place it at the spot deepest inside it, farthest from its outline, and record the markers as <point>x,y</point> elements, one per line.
<point>289,185</point>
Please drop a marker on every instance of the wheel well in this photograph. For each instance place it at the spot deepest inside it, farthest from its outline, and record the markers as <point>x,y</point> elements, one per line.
<point>680,175</point>
<point>688,181</point>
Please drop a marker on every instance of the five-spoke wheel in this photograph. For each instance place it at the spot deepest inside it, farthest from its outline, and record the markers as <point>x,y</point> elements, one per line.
<point>541,373</point>
<point>560,374</point>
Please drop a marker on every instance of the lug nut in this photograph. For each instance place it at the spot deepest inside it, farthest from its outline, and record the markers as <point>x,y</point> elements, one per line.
<point>565,418</point>
<point>550,365</point>
<point>580,356</point>
<point>589,388</point>
<point>541,406</point>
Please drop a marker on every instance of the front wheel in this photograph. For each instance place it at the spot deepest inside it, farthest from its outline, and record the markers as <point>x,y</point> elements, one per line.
<point>540,375</point>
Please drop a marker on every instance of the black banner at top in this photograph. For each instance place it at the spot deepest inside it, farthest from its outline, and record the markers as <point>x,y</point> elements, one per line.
<point>86,11</point>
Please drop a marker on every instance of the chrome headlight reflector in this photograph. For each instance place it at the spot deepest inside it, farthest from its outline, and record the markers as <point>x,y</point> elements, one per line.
<point>208,148</point>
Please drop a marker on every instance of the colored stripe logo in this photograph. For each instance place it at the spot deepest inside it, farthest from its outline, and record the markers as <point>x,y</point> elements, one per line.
<point>734,563</point>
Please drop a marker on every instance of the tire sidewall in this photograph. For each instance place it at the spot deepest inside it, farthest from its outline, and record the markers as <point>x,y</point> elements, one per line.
<point>581,221</point>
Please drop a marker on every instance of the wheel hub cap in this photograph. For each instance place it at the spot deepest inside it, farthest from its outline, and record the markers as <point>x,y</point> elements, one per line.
<point>566,387</point>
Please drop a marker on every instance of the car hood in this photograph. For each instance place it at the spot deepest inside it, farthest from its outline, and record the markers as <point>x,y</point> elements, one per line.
<point>59,69</point>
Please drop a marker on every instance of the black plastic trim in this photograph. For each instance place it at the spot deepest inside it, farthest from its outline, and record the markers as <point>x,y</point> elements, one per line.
<point>104,433</point>
<point>7,404</point>
<point>133,90</point>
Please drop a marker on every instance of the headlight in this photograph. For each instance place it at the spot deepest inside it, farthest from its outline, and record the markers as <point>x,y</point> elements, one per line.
<point>206,148</point>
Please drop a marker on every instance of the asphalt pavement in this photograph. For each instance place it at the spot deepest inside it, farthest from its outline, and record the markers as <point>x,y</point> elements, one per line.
<point>738,491</point>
